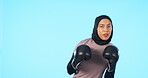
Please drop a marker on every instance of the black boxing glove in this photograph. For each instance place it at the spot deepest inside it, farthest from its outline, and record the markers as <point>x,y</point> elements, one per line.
<point>82,52</point>
<point>111,54</point>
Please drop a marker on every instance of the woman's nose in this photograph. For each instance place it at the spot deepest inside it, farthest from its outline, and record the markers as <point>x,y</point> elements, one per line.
<point>105,29</point>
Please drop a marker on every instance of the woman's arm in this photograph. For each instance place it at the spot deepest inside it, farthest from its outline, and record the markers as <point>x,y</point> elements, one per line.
<point>111,54</point>
<point>70,68</point>
<point>109,74</point>
<point>82,52</point>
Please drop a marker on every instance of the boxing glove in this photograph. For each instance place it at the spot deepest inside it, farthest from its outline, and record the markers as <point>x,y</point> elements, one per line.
<point>111,54</point>
<point>82,52</point>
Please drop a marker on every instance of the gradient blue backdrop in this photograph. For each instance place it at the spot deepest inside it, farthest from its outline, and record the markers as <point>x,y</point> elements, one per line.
<point>37,37</point>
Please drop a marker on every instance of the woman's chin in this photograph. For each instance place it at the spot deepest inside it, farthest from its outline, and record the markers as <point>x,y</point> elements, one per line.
<point>105,38</point>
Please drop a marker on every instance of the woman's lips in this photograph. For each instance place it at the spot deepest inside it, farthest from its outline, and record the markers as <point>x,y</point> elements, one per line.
<point>105,35</point>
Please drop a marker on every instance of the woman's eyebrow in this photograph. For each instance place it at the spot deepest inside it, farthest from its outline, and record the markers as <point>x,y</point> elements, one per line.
<point>108,23</point>
<point>101,24</point>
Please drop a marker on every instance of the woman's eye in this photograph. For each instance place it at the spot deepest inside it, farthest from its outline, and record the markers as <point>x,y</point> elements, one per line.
<point>101,26</point>
<point>109,26</point>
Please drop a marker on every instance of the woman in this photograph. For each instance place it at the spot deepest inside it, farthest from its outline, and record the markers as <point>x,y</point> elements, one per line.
<point>95,55</point>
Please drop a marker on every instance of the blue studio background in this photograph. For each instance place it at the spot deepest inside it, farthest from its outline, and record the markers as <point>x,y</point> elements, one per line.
<point>37,37</point>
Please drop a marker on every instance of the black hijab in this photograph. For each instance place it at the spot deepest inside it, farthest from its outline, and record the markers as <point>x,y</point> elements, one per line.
<point>95,36</point>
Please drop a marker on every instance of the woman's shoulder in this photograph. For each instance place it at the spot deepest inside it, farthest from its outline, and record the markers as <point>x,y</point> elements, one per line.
<point>110,44</point>
<point>82,42</point>
<point>85,40</point>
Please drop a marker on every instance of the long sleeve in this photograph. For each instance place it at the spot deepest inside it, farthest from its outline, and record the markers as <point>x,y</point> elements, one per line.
<point>70,69</point>
<point>109,74</point>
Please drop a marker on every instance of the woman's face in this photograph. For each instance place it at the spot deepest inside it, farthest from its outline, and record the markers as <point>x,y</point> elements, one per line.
<point>104,29</point>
